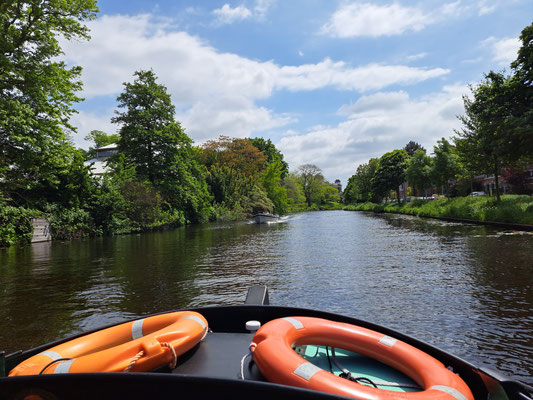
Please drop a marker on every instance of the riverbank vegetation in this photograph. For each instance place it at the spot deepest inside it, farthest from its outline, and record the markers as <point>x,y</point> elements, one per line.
<point>157,177</point>
<point>513,209</point>
<point>491,153</point>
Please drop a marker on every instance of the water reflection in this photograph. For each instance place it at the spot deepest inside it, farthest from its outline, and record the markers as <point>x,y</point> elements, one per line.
<point>464,288</point>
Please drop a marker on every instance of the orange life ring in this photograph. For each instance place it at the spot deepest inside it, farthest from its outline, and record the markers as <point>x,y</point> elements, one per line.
<point>279,363</point>
<point>142,345</point>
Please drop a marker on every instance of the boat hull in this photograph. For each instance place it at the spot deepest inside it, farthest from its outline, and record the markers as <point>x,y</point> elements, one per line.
<point>265,218</point>
<point>214,368</point>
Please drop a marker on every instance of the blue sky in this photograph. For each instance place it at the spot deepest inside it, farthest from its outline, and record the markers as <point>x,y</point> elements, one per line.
<point>332,83</point>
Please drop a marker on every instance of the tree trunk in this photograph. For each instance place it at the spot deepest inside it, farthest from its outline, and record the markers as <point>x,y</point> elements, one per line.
<point>398,194</point>
<point>496,180</point>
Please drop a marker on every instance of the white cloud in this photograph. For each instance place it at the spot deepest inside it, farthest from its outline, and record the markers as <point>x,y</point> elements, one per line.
<point>228,15</point>
<point>339,75</point>
<point>261,8</point>
<point>214,93</point>
<point>414,57</point>
<point>503,51</point>
<point>368,19</point>
<point>374,125</point>
<point>86,122</point>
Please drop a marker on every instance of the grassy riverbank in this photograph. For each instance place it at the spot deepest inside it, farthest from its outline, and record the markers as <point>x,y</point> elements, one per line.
<point>511,209</point>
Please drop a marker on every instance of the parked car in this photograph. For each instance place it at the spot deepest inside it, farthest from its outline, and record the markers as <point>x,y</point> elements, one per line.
<point>474,194</point>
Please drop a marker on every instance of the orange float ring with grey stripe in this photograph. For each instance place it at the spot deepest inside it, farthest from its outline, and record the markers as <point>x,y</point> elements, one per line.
<point>273,353</point>
<point>146,341</point>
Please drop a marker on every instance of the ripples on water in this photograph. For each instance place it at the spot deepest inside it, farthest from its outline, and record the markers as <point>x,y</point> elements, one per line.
<point>466,289</point>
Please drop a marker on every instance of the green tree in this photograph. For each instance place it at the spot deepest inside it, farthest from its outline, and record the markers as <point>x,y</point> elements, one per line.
<point>521,121</point>
<point>359,186</point>
<point>162,153</point>
<point>419,171</point>
<point>485,143</point>
<point>273,154</point>
<point>271,181</point>
<point>294,188</point>
<point>390,173</point>
<point>446,164</point>
<point>101,139</point>
<point>37,92</point>
<point>411,147</point>
<point>312,181</point>
<point>330,194</point>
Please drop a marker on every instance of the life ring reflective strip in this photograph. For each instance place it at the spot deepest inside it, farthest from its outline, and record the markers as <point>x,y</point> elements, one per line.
<point>274,355</point>
<point>112,349</point>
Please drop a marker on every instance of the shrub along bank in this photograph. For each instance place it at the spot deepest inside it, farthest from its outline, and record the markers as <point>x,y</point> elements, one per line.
<point>512,209</point>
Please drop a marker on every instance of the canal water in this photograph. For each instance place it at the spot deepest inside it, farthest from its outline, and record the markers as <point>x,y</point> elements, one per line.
<point>467,289</point>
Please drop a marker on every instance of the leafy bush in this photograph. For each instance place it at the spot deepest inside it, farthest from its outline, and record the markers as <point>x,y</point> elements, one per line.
<point>15,224</point>
<point>70,223</point>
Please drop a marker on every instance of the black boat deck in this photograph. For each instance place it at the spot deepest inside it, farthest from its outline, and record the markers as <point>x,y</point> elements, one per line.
<point>212,369</point>
<point>220,356</point>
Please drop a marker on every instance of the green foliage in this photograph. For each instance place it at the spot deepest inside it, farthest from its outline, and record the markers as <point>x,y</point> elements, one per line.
<point>236,195</point>
<point>330,195</point>
<point>446,164</point>
<point>511,209</point>
<point>485,141</point>
<point>295,193</point>
<point>311,181</point>
<point>359,187</point>
<point>411,147</point>
<point>419,170</point>
<point>390,173</point>
<point>271,182</point>
<point>15,224</point>
<point>100,139</point>
<point>70,223</point>
<point>158,147</point>
<point>36,92</point>
<point>521,121</point>
<point>273,154</point>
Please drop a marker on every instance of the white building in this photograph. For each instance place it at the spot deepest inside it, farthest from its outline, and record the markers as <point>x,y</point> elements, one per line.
<point>98,164</point>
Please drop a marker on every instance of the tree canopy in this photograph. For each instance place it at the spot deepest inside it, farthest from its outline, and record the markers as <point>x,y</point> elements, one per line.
<point>411,147</point>
<point>359,186</point>
<point>156,145</point>
<point>311,180</point>
<point>273,154</point>
<point>390,173</point>
<point>37,92</point>
<point>419,170</point>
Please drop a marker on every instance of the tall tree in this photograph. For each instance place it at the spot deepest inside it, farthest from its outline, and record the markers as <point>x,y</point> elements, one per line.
<point>390,173</point>
<point>37,91</point>
<point>271,181</point>
<point>521,122</point>
<point>445,164</point>
<point>312,181</point>
<point>411,147</point>
<point>294,189</point>
<point>273,154</point>
<point>236,153</point>
<point>359,187</point>
<point>419,171</point>
<point>485,142</point>
<point>153,142</point>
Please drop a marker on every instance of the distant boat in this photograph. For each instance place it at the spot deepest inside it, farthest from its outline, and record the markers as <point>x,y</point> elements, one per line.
<point>265,218</point>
